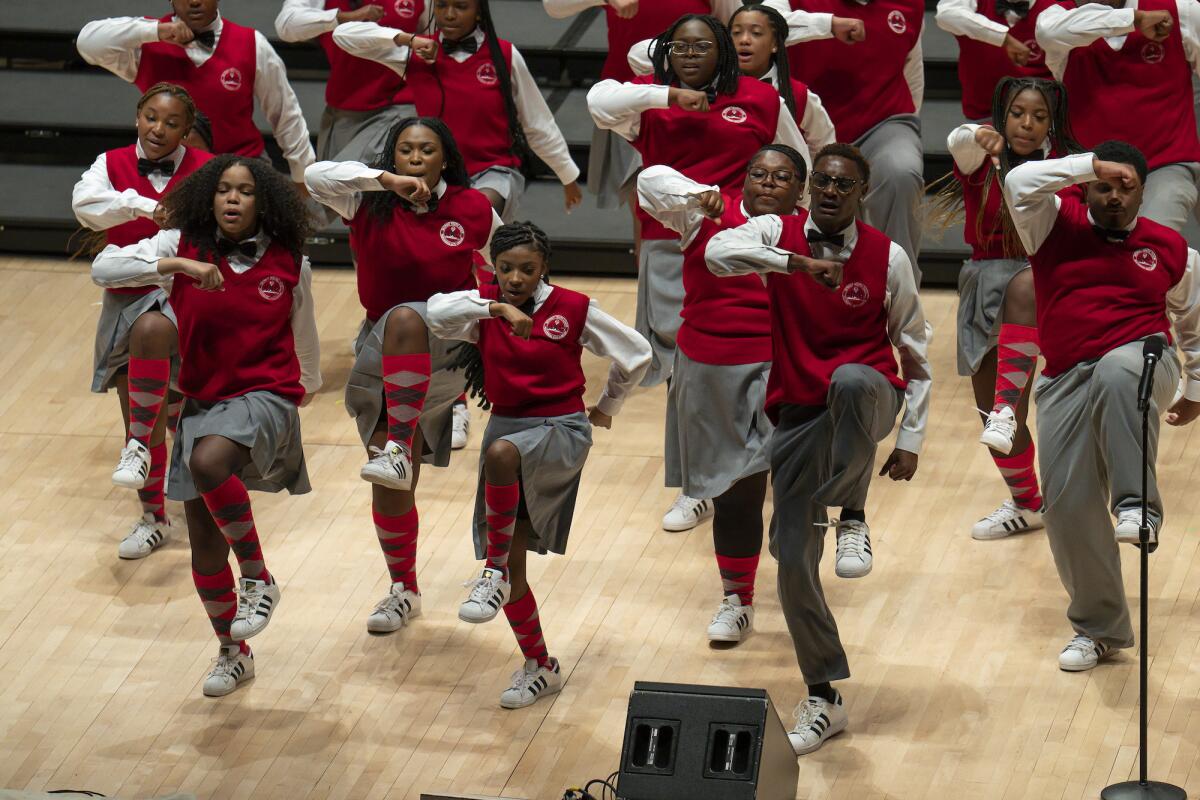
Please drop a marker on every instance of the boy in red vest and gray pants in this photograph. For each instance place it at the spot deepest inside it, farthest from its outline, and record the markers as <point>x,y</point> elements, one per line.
<point>1105,279</point>
<point>834,393</point>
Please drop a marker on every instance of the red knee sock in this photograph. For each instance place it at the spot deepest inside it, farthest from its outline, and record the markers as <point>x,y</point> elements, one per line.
<point>151,495</point>
<point>229,505</point>
<point>398,540</point>
<point>737,576</point>
<point>1016,358</point>
<point>220,602</point>
<point>1021,476</point>
<point>523,617</point>
<point>405,382</point>
<point>500,506</point>
<point>148,379</point>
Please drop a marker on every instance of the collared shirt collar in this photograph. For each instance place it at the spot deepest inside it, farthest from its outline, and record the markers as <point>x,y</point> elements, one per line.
<point>175,157</point>
<point>850,232</point>
<point>772,76</point>
<point>476,34</point>
<point>240,263</point>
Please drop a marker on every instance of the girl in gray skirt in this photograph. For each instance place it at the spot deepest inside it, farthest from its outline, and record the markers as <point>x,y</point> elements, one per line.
<point>530,337</point>
<point>997,326</point>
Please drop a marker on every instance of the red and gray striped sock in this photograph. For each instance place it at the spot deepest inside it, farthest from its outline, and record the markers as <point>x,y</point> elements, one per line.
<point>1021,476</point>
<point>523,617</point>
<point>737,576</point>
<point>148,379</point>
<point>151,494</point>
<point>1016,358</point>
<point>500,507</point>
<point>220,603</point>
<point>229,505</point>
<point>398,540</point>
<point>405,383</point>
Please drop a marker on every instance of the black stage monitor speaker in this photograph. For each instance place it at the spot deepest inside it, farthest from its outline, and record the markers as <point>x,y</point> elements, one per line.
<point>712,742</point>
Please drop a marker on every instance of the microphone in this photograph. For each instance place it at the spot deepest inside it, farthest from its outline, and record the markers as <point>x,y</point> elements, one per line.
<point>1152,351</point>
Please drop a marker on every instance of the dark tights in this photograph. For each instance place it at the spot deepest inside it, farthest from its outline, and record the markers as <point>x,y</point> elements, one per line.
<point>737,517</point>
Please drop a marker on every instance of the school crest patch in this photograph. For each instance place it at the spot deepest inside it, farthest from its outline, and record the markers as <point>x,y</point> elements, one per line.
<point>406,8</point>
<point>270,288</point>
<point>556,327</point>
<point>486,74</point>
<point>1145,258</point>
<point>453,233</point>
<point>231,79</point>
<point>735,114</point>
<point>1153,52</point>
<point>855,294</point>
<point>897,22</point>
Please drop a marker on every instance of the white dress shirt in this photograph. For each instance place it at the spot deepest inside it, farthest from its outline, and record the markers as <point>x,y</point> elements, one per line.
<point>377,43</point>
<point>302,20</point>
<point>97,205</point>
<point>754,247</point>
<point>962,18</point>
<point>137,265</point>
<point>1060,30</point>
<point>116,44</point>
<point>457,315</point>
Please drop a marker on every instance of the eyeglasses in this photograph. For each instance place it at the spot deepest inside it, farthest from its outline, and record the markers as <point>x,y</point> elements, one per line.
<point>781,176</point>
<point>843,185</point>
<point>701,48</point>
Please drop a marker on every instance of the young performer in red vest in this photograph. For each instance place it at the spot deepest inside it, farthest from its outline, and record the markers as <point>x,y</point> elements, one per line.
<point>530,337</point>
<point>842,301</point>
<point>415,225</point>
<point>719,379</point>
<point>879,114</point>
<point>241,291</point>
<point>120,195</point>
<point>1125,65</point>
<point>224,66</point>
<point>363,100</point>
<point>995,40</point>
<point>997,315</point>
<point>696,96</point>
<point>1106,278</point>
<point>479,85</point>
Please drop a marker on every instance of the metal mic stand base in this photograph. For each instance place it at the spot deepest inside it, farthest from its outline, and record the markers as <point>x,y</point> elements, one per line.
<point>1150,790</point>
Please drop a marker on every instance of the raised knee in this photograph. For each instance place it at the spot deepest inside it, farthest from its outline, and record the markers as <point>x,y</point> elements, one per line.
<point>404,329</point>
<point>209,469</point>
<point>152,331</point>
<point>850,379</point>
<point>1118,370</point>
<point>502,458</point>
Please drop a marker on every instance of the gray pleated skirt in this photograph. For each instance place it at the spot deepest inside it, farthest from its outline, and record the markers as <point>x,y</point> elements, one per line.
<point>264,422</point>
<point>364,388</point>
<point>659,304</point>
<point>118,312</point>
<point>506,182</point>
<point>716,425</point>
<point>357,135</point>
<point>613,163</point>
<point>553,451</point>
<point>981,289</point>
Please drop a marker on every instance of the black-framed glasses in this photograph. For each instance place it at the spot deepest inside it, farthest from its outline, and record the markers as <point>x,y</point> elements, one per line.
<point>701,48</point>
<point>843,185</point>
<point>782,177</point>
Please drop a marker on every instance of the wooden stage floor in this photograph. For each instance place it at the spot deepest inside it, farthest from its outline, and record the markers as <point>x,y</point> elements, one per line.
<point>956,691</point>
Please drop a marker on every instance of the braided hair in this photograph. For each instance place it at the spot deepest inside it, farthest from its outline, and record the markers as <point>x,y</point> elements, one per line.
<point>203,129</point>
<point>725,78</point>
<point>380,205</point>
<point>779,59</point>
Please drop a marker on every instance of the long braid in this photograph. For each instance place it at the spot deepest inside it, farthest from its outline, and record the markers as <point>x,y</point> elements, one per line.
<point>725,77</point>
<point>779,58</point>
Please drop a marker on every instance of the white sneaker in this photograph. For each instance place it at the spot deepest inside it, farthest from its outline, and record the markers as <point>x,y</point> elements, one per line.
<point>461,417</point>
<point>390,467</point>
<point>148,535</point>
<point>133,467</point>
<point>531,683</point>
<point>817,719</point>
<point>393,612</point>
<point>489,593</point>
<point>1081,654</point>
<point>853,549</point>
<point>686,513</point>
<point>232,667</point>
<point>1000,430</point>
<point>257,601</point>
<point>1129,527</point>
<point>732,622</point>
<point>1006,520</point>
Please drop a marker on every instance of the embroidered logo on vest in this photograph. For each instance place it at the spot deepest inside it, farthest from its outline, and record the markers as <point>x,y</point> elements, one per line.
<point>734,114</point>
<point>270,288</point>
<point>855,294</point>
<point>897,22</point>
<point>486,74</point>
<point>231,79</point>
<point>556,327</point>
<point>1153,52</point>
<point>406,8</point>
<point>1145,258</point>
<point>453,234</point>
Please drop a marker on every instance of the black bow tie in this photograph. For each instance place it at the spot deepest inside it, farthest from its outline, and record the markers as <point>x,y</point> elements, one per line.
<point>206,39</point>
<point>146,166</point>
<point>467,45</point>
<point>248,249</point>
<point>1111,234</point>
<point>1012,7</point>
<point>526,308</point>
<point>430,205</point>
<point>816,237</point>
<point>711,94</point>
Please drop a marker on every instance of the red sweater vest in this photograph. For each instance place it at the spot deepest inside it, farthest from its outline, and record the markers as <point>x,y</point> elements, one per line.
<point>861,86</point>
<point>1094,295</point>
<point>467,98</point>
<point>123,174</point>
<point>651,19</point>
<point>725,320</point>
<point>1141,94</point>
<point>223,87</point>
<point>412,257</point>
<point>982,190</point>
<point>239,340</point>
<point>540,376</point>
<point>815,330</point>
<point>356,84</point>
<point>981,65</point>
<point>720,141</point>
